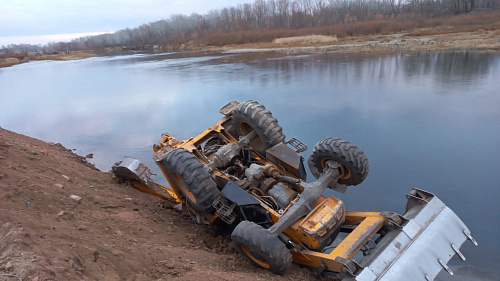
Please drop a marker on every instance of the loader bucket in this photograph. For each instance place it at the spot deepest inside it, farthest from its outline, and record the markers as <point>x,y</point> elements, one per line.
<point>420,248</point>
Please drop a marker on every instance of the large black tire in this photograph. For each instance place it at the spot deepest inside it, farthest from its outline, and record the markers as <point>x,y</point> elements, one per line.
<point>261,247</point>
<point>192,180</point>
<point>353,160</point>
<point>251,116</point>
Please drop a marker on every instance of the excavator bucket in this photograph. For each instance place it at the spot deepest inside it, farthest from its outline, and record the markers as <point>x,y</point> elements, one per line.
<point>429,235</point>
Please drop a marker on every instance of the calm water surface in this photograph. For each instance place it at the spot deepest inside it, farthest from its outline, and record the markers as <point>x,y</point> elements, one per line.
<point>426,120</point>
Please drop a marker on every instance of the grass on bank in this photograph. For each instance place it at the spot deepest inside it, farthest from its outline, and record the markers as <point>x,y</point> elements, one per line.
<point>309,39</point>
<point>11,59</point>
<point>422,26</point>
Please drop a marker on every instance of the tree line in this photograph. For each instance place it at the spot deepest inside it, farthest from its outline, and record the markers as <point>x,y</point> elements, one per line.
<point>261,15</point>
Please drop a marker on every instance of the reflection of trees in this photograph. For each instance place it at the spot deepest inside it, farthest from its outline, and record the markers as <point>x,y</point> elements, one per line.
<point>444,68</point>
<point>330,70</point>
<point>450,67</point>
<point>323,68</point>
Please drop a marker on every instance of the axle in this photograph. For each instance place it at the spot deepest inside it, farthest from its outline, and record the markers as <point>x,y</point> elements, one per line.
<point>312,192</point>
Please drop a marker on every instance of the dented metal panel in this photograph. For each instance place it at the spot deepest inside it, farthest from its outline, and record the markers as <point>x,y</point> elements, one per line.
<point>283,155</point>
<point>422,248</point>
<point>132,169</point>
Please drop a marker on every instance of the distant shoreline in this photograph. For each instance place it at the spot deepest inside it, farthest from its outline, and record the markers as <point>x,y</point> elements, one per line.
<point>432,40</point>
<point>415,41</point>
<point>10,61</point>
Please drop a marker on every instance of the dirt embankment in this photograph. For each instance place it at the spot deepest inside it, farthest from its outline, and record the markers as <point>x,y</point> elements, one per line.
<point>114,232</point>
<point>431,39</point>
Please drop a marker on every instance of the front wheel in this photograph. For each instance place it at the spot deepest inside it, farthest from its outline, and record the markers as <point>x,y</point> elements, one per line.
<point>251,116</point>
<point>261,247</point>
<point>192,180</point>
<point>353,160</point>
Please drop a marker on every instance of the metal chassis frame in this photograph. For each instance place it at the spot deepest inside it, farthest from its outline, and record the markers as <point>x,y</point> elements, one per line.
<point>421,210</point>
<point>339,260</point>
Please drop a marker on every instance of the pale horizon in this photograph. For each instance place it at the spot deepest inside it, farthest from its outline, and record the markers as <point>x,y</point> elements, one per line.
<point>45,39</point>
<point>41,22</point>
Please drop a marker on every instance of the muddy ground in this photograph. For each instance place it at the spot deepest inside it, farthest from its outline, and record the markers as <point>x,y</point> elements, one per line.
<point>114,232</point>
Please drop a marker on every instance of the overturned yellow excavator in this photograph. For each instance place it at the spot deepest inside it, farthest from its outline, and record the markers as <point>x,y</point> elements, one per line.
<point>241,173</point>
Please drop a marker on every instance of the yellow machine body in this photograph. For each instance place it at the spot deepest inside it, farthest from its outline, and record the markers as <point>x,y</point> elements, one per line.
<point>312,239</point>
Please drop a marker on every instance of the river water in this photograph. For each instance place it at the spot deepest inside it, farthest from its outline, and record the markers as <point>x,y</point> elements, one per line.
<point>424,120</point>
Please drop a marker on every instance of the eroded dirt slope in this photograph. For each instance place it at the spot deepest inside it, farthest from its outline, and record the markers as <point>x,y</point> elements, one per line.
<point>114,232</point>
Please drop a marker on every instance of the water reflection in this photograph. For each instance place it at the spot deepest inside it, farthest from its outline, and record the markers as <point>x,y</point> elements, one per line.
<point>426,120</point>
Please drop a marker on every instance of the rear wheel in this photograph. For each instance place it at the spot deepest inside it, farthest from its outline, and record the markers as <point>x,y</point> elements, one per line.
<point>251,116</point>
<point>261,247</point>
<point>353,159</point>
<point>192,180</point>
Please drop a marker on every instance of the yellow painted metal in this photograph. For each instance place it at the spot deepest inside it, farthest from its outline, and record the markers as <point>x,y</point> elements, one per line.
<point>258,260</point>
<point>355,217</point>
<point>368,223</point>
<point>175,188</point>
<point>316,259</point>
<point>358,237</point>
<point>165,140</point>
<point>309,230</point>
<point>182,186</point>
<point>299,237</point>
<point>323,217</point>
<point>334,261</point>
<point>171,196</point>
<point>216,129</point>
<point>175,197</point>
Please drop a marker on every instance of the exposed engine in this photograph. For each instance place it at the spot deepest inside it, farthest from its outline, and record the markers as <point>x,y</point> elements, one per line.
<point>262,181</point>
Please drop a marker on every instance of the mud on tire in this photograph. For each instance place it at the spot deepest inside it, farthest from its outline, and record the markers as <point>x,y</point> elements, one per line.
<point>353,159</point>
<point>251,116</point>
<point>192,180</point>
<point>261,247</point>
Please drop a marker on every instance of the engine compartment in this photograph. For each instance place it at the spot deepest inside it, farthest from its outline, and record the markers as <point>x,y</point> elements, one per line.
<point>250,171</point>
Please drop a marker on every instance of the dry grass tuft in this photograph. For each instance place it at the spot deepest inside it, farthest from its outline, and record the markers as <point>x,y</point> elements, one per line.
<point>62,56</point>
<point>8,62</point>
<point>308,39</point>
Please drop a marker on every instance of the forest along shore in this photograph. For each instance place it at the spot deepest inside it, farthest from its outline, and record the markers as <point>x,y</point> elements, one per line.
<point>438,39</point>
<point>62,219</point>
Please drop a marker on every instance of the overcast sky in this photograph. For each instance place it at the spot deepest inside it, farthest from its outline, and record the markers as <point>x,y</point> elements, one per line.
<point>43,21</point>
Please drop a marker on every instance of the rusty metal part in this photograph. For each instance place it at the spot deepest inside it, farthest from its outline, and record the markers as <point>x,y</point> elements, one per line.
<point>298,145</point>
<point>165,140</point>
<point>228,108</point>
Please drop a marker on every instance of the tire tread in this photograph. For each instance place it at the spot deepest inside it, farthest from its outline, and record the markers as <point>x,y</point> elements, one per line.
<point>341,150</point>
<point>195,178</point>
<point>262,241</point>
<point>261,120</point>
